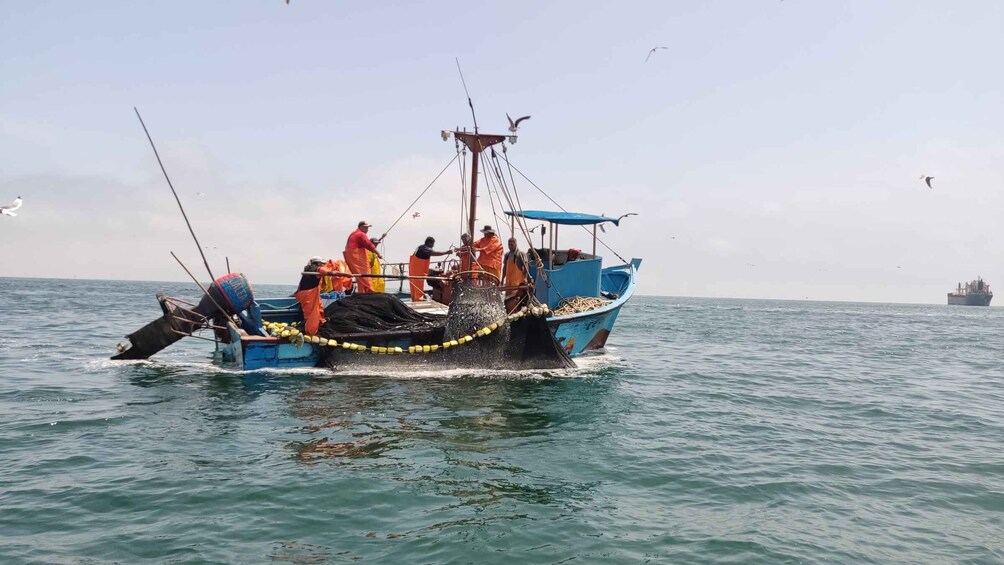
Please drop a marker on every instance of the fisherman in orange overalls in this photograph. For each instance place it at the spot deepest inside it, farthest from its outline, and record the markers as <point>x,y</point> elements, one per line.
<point>308,294</point>
<point>355,255</point>
<point>464,253</point>
<point>489,250</point>
<point>515,272</point>
<point>418,266</point>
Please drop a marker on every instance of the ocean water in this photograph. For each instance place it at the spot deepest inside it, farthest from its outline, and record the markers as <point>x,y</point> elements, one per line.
<point>710,431</point>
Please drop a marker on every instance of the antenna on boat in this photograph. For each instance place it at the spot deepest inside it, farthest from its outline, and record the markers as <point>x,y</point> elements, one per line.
<point>176,199</point>
<point>469,103</point>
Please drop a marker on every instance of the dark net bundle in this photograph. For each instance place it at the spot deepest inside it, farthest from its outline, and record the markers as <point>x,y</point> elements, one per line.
<point>376,314</point>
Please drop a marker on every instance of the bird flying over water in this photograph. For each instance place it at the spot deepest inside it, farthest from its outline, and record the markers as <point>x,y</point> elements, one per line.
<point>513,126</point>
<point>927,179</point>
<point>9,210</point>
<point>653,50</point>
<point>622,216</point>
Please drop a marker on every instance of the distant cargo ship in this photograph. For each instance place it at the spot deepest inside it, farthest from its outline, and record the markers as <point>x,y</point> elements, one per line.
<point>974,293</point>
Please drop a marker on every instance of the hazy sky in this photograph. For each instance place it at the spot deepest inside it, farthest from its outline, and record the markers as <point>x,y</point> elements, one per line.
<point>772,150</point>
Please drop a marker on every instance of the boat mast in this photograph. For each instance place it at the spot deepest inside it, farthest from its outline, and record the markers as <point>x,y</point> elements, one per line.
<point>476,142</point>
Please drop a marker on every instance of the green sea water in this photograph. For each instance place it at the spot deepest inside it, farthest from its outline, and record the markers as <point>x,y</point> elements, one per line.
<point>710,431</point>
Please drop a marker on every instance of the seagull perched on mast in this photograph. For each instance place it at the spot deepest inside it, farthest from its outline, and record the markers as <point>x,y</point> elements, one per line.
<point>927,179</point>
<point>513,126</point>
<point>653,50</point>
<point>9,210</point>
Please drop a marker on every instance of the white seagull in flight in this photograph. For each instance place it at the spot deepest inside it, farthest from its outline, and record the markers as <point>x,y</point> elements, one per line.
<point>513,126</point>
<point>927,179</point>
<point>9,210</point>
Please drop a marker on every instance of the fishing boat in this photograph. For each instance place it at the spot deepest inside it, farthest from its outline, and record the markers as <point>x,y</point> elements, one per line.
<point>568,306</point>
<point>973,293</point>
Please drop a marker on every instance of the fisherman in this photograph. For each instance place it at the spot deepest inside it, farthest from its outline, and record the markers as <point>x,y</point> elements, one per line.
<point>489,250</point>
<point>464,253</point>
<point>515,273</point>
<point>356,255</point>
<point>308,294</point>
<point>418,266</point>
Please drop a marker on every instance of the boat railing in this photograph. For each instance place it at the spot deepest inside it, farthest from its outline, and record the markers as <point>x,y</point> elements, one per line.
<point>401,270</point>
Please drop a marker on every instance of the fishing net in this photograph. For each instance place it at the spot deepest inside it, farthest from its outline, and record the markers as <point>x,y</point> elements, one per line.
<point>374,319</point>
<point>375,313</point>
<point>577,304</point>
<point>176,323</point>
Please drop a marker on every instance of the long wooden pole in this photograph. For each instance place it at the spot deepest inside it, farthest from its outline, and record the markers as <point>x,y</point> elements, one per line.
<point>176,199</point>
<point>222,311</point>
<point>474,190</point>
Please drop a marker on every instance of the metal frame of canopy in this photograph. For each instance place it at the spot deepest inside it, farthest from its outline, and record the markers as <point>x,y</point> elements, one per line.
<point>554,219</point>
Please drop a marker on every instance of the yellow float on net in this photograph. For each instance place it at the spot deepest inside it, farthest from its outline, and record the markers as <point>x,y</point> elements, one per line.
<point>332,343</point>
<point>285,333</point>
<point>411,349</point>
<point>434,347</point>
<point>398,350</point>
<point>426,349</point>
<point>454,343</point>
<point>446,345</point>
<point>494,326</point>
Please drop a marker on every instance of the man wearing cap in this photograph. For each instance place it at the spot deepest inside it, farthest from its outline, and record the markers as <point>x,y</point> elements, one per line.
<point>308,294</point>
<point>418,266</point>
<point>489,250</point>
<point>356,255</point>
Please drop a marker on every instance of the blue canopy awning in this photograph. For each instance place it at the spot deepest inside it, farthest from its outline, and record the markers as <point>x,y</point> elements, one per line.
<point>564,218</point>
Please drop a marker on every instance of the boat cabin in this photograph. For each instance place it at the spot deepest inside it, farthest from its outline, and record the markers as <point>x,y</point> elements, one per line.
<point>566,272</point>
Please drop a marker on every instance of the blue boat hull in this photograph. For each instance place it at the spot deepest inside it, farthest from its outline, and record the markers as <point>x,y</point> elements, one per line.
<point>588,331</point>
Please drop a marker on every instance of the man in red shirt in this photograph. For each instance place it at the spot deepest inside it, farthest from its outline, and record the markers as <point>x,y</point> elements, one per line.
<point>355,255</point>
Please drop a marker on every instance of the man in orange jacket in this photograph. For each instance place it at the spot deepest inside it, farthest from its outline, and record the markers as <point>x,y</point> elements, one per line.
<point>355,255</point>
<point>489,250</point>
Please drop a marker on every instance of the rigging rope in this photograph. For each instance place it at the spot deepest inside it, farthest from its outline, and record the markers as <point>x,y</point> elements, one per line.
<point>421,195</point>
<point>539,262</point>
<point>563,210</point>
